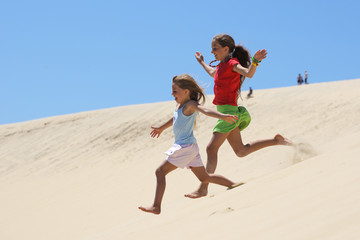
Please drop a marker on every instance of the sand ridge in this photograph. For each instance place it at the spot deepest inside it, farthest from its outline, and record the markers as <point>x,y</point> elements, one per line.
<point>83,175</point>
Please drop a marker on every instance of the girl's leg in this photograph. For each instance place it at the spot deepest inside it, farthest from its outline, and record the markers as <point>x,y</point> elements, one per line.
<point>205,177</point>
<point>161,172</point>
<point>212,151</point>
<point>241,150</point>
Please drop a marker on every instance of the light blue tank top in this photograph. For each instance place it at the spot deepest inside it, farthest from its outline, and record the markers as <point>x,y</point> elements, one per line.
<point>183,127</point>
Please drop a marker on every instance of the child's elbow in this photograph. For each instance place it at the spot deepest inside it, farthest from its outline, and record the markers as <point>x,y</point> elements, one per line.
<point>250,75</point>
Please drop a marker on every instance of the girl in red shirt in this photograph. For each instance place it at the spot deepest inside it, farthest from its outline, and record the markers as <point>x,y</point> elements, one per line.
<point>235,64</point>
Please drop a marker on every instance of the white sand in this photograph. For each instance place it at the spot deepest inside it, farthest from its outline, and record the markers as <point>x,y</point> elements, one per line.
<point>82,176</point>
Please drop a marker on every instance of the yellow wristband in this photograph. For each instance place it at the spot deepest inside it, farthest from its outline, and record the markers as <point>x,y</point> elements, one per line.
<point>254,64</point>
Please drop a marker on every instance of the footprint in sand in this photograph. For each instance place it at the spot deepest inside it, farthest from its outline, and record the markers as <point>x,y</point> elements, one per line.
<point>223,211</point>
<point>303,151</point>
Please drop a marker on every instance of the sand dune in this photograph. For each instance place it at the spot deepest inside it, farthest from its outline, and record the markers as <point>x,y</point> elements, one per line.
<point>82,176</point>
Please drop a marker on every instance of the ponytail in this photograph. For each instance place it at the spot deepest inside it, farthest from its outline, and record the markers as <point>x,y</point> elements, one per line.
<point>243,55</point>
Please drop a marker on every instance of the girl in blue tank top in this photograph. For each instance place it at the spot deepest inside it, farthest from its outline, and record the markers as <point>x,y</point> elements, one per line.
<point>185,152</point>
<point>183,127</point>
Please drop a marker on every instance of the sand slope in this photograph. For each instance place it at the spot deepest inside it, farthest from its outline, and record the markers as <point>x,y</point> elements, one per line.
<point>82,176</point>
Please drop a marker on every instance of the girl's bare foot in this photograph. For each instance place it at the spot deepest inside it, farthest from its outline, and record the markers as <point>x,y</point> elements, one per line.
<point>154,210</point>
<point>196,194</point>
<point>282,141</point>
<point>235,185</point>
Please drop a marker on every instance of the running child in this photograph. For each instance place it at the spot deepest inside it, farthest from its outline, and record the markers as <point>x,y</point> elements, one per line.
<point>235,64</point>
<point>185,151</point>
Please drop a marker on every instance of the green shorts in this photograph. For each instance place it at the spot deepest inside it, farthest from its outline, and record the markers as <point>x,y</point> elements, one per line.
<point>243,115</point>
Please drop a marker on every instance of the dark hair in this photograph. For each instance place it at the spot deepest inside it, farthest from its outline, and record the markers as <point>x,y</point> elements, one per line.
<point>185,81</point>
<point>238,51</point>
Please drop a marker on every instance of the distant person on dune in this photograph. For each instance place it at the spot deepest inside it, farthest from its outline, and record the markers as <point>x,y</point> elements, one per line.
<point>300,79</point>
<point>250,93</point>
<point>185,151</point>
<point>306,77</point>
<point>235,64</point>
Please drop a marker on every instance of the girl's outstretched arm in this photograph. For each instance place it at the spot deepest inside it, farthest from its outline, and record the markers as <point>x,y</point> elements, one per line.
<point>208,69</point>
<point>212,113</point>
<point>250,71</point>
<point>158,130</point>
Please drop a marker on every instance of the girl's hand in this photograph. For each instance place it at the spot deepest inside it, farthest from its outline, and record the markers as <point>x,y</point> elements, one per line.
<point>199,57</point>
<point>155,132</point>
<point>260,55</point>
<point>230,118</point>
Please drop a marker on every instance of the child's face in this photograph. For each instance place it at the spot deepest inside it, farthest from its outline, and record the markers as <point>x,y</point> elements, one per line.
<point>180,95</point>
<point>219,52</point>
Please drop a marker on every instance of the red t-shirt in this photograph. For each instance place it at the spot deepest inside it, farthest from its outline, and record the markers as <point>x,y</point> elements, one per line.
<point>227,83</point>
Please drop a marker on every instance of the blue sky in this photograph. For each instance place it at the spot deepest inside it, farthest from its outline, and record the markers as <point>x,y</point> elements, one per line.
<point>61,57</point>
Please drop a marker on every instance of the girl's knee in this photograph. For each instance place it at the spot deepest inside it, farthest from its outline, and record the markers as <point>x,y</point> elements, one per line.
<point>159,172</point>
<point>242,152</point>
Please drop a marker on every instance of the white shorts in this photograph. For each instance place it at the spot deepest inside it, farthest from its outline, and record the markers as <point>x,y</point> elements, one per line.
<point>184,156</point>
